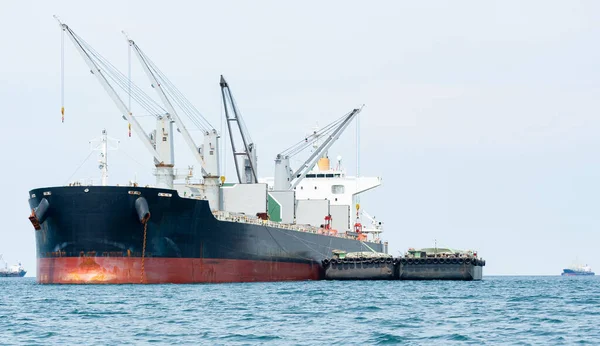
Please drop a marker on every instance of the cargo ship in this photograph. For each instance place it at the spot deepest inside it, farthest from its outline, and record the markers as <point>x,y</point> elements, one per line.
<point>14,271</point>
<point>578,270</point>
<point>183,230</point>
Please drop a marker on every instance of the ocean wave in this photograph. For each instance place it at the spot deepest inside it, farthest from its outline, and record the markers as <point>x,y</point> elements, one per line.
<point>523,310</point>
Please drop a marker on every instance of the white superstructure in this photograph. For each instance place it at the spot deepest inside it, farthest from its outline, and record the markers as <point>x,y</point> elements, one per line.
<point>324,182</point>
<point>581,268</point>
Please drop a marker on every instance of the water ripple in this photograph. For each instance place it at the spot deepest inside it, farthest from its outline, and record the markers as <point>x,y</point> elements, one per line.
<point>498,310</point>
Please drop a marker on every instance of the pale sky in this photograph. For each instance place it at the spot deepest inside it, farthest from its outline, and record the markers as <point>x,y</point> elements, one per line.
<point>481,117</point>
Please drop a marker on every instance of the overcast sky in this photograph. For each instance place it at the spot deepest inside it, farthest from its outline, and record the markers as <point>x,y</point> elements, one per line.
<point>481,117</point>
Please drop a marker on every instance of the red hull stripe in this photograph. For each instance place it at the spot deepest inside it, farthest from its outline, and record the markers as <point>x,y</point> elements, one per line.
<point>128,270</point>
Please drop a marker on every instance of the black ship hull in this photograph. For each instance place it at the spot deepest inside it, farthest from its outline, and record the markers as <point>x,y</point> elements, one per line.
<point>101,235</point>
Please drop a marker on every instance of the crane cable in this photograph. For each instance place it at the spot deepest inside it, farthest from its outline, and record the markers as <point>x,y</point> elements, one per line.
<point>120,79</point>
<point>62,75</point>
<point>358,218</point>
<point>129,86</point>
<point>326,131</point>
<point>308,140</point>
<point>177,96</point>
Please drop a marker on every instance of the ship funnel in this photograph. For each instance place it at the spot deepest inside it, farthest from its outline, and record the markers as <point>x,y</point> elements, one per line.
<point>323,164</point>
<point>142,209</point>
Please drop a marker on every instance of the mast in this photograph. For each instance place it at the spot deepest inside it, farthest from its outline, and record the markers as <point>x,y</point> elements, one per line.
<point>104,144</point>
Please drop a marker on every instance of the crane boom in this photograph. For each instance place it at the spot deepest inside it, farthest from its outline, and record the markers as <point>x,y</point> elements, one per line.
<point>312,160</point>
<point>249,148</point>
<point>95,70</point>
<point>374,222</point>
<point>163,96</point>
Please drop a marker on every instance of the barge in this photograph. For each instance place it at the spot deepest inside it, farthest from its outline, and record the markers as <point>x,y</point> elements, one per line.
<point>359,266</point>
<point>440,264</point>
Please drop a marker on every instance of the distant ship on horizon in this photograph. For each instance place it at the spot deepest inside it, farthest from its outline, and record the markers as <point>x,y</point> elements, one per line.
<point>577,270</point>
<point>16,270</point>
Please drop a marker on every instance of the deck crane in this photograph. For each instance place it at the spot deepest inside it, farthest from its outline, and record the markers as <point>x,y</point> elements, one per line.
<point>207,154</point>
<point>285,178</point>
<point>160,142</point>
<point>161,150</point>
<point>247,173</point>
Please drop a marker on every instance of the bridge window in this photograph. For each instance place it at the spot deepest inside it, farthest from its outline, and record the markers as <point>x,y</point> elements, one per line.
<point>338,189</point>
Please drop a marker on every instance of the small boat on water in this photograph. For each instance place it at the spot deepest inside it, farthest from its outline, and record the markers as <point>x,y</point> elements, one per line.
<point>578,270</point>
<point>13,271</point>
<point>359,266</point>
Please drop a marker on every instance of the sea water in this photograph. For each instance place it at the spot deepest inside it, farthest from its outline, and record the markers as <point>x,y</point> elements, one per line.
<point>498,310</point>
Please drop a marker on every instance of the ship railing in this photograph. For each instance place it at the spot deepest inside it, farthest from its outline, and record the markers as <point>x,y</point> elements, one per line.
<point>242,218</point>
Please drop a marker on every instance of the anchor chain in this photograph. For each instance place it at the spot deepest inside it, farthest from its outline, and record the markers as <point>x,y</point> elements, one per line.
<point>143,273</point>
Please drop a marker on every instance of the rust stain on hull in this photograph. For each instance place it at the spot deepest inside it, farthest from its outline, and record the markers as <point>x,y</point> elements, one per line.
<point>127,270</point>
